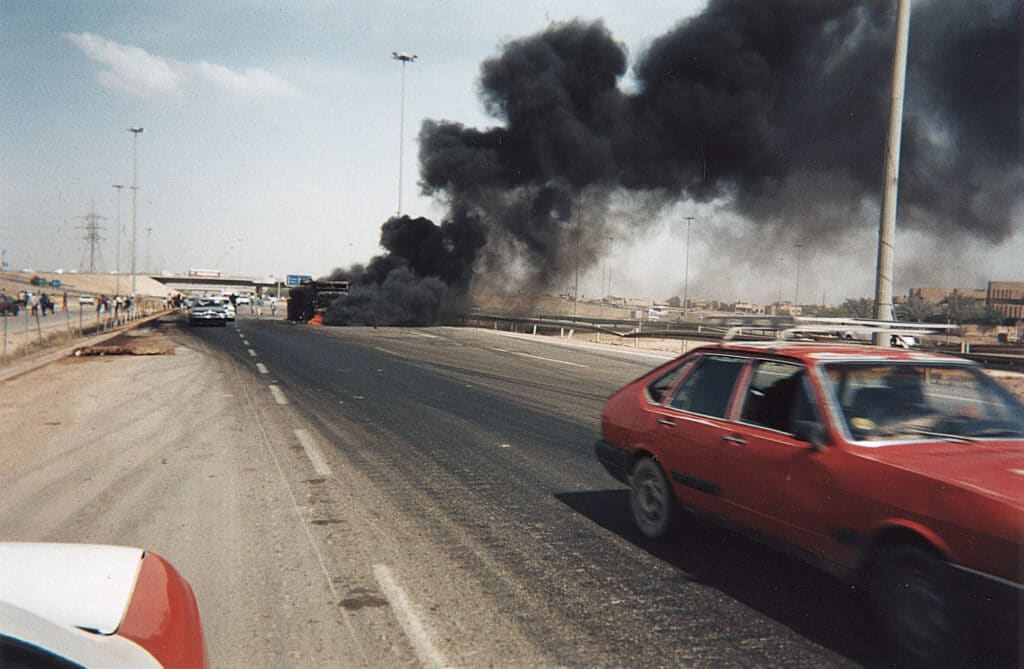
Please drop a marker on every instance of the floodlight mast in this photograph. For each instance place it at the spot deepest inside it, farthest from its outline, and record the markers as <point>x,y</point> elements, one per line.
<point>887,224</point>
<point>135,130</point>
<point>117,253</point>
<point>403,58</point>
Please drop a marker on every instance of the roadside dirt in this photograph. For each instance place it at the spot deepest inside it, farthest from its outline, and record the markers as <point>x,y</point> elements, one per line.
<point>144,341</point>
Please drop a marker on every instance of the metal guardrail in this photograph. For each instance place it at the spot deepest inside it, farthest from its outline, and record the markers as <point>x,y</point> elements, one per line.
<point>1006,357</point>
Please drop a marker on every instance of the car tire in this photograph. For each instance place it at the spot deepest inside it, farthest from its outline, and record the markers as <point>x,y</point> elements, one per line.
<point>917,613</point>
<point>650,499</point>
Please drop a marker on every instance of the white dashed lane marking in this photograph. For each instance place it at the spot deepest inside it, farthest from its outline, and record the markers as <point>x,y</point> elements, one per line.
<point>278,395</point>
<point>263,368</point>
<point>313,452</point>
<point>428,655</point>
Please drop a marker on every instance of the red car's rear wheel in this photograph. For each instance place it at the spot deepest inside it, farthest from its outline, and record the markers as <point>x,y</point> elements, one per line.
<point>650,499</point>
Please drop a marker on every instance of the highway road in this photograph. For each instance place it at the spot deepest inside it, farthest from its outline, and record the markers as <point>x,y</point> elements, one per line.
<point>397,497</point>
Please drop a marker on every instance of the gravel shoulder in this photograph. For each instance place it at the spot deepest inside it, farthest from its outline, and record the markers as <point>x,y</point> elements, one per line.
<point>169,453</point>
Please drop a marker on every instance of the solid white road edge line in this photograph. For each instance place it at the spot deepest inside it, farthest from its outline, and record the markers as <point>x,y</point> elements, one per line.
<point>540,357</point>
<point>312,452</point>
<point>263,368</point>
<point>425,651</point>
<point>278,395</point>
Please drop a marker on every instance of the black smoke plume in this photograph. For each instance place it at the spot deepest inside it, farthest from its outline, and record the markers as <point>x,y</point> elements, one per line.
<point>776,108</point>
<point>422,279</point>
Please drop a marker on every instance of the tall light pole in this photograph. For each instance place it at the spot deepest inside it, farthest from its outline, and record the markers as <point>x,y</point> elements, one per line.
<point>686,271</point>
<point>117,245</point>
<point>403,58</point>
<point>796,298</point>
<point>135,130</point>
<point>887,224</point>
<point>611,239</point>
<point>579,228</point>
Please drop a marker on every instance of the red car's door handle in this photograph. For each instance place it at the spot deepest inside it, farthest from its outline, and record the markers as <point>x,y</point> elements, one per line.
<point>666,421</point>
<point>734,439</point>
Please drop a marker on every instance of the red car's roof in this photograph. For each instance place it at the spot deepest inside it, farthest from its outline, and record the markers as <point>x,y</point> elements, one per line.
<point>818,351</point>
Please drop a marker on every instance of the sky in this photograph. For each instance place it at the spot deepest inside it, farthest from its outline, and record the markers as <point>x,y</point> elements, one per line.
<point>271,147</point>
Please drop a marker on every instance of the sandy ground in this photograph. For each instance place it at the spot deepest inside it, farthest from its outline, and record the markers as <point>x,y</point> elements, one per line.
<point>172,453</point>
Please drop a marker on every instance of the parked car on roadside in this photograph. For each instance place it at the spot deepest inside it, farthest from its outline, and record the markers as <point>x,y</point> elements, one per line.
<point>77,605</point>
<point>9,305</point>
<point>899,470</point>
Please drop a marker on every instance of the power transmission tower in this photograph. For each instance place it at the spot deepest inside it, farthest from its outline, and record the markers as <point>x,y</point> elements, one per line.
<point>92,239</point>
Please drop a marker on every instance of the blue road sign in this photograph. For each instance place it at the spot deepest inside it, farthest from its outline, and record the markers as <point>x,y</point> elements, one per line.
<point>296,279</point>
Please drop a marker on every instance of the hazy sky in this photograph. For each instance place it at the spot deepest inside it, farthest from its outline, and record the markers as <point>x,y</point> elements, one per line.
<point>271,143</point>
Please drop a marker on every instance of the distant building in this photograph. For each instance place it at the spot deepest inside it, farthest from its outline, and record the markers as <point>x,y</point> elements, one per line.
<point>1007,297</point>
<point>783,308</point>
<point>940,295</point>
<point>747,308</point>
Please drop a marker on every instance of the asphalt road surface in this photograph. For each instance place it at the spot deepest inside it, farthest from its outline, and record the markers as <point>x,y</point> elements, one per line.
<point>397,497</point>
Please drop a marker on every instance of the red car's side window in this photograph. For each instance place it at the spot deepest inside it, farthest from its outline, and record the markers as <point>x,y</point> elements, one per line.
<point>709,387</point>
<point>777,396</point>
<point>660,387</point>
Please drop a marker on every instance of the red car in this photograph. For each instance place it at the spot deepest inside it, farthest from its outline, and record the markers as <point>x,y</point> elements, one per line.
<point>899,469</point>
<point>78,605</point>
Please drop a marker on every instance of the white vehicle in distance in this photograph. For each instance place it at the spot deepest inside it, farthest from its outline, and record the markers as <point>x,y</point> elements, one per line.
<point>209,311</point>
<point>657,313</point>
<point>228,307</point>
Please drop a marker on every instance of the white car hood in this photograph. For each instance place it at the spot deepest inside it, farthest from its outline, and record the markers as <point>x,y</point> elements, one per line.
<point>79,585</point>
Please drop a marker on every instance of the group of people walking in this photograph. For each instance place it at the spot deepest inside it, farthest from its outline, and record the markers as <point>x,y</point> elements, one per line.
<point>38,306</point>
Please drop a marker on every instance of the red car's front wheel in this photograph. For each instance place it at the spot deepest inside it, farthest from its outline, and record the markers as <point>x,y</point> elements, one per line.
<point>916,608</point>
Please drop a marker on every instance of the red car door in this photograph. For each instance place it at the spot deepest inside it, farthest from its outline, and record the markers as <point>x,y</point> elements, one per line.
<point>772,480</point>
<point>689,429</point>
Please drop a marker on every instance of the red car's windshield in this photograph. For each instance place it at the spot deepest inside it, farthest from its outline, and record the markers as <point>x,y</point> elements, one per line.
<point>901,401</point>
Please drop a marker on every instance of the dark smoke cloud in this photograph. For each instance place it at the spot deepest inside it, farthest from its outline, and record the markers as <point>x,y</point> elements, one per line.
<point>776,108</point>
<point>422,279</point>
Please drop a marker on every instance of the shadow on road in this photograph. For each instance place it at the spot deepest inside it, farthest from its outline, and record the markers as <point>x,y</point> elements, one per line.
<point>815,605</point>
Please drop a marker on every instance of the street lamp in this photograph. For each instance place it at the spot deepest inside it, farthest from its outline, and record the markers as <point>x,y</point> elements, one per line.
<point>117,246</point>
<point>403,58</point>
<point>796,297</point>
<point>135,130</point>
<point>579,227</point>
<point>611,239</point>
<point>686,271</point>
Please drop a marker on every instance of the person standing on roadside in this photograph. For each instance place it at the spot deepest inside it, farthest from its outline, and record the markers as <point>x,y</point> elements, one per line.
<point>64,301</point>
